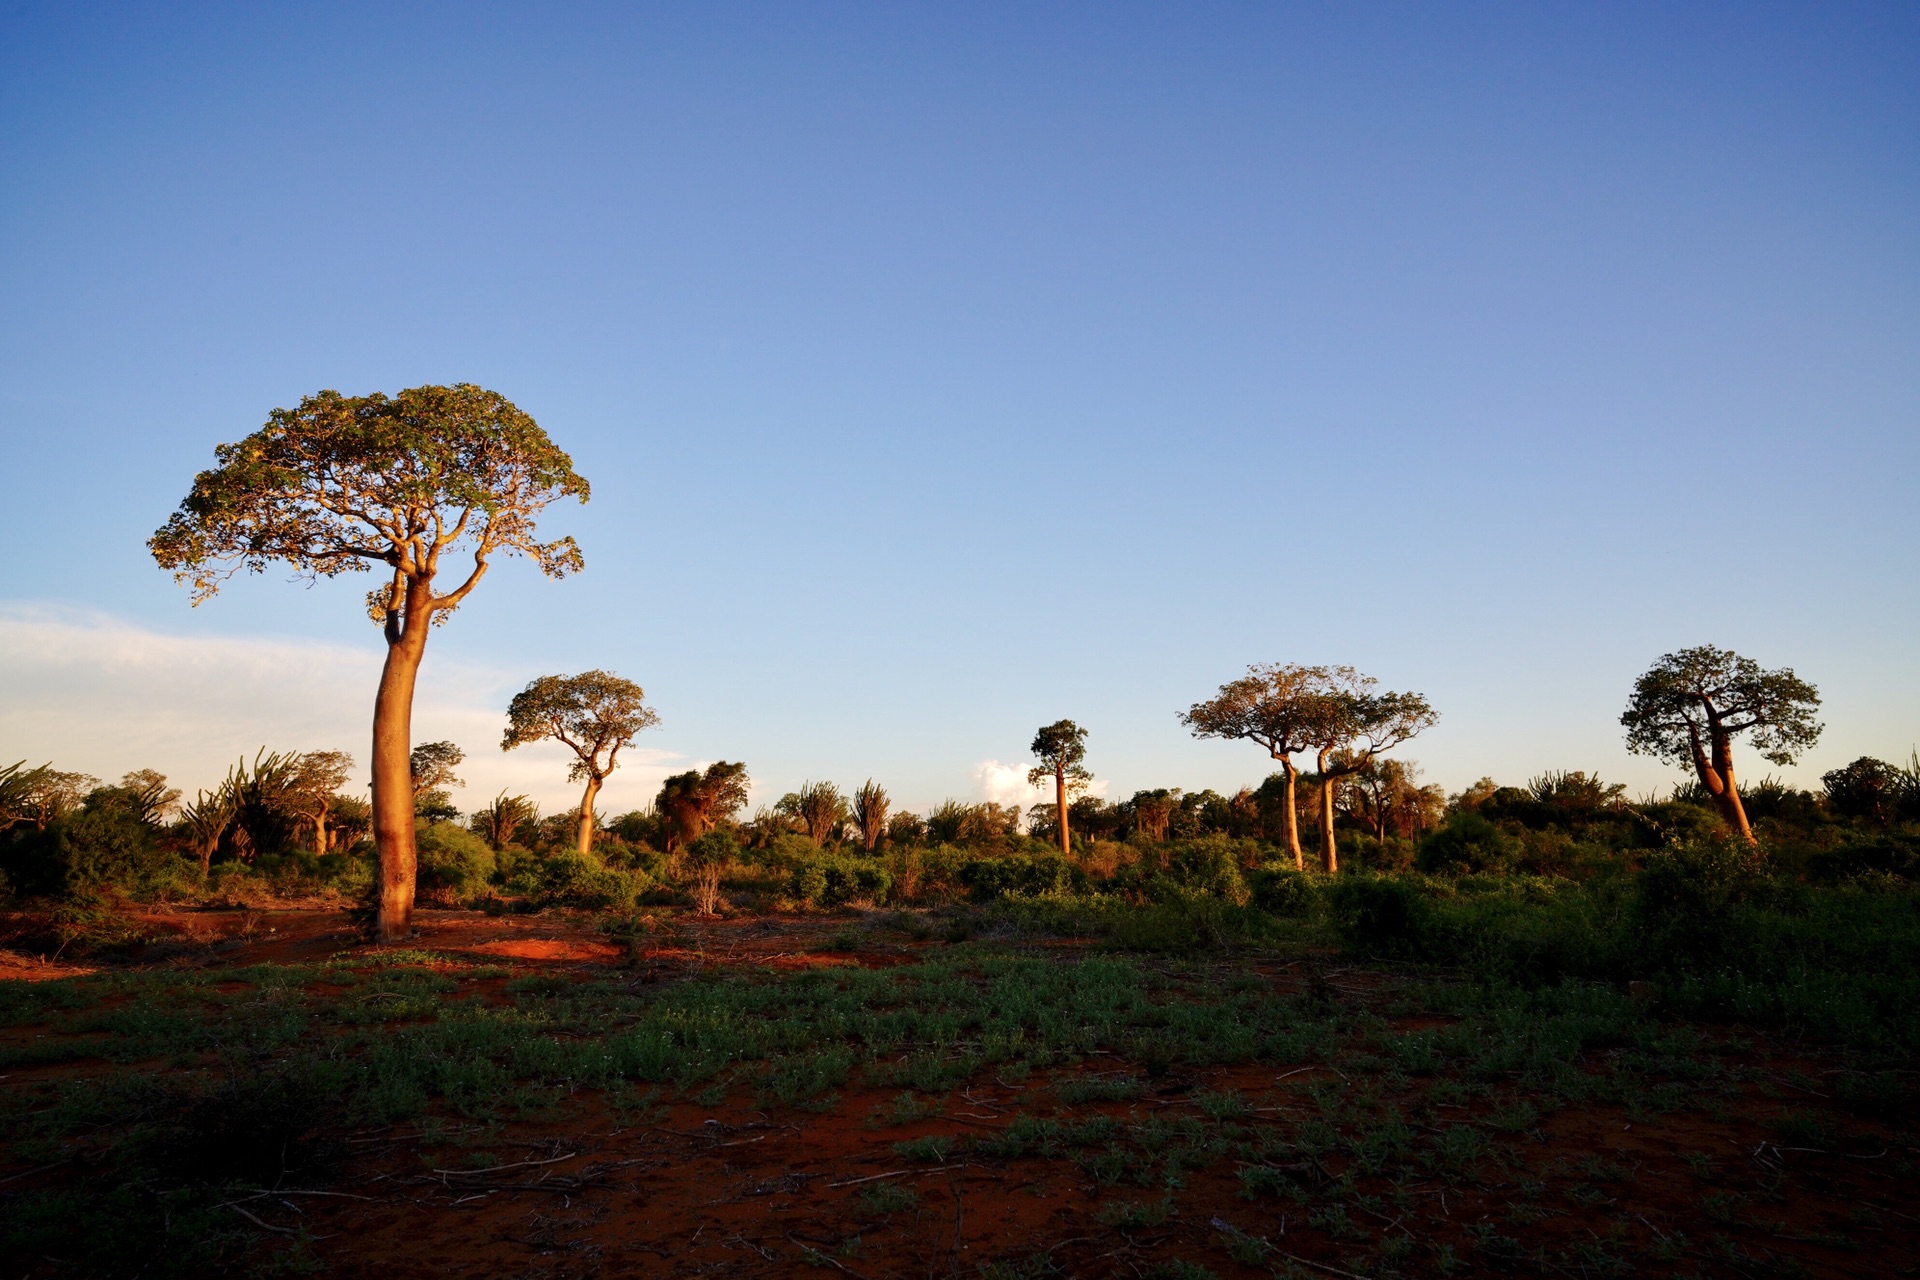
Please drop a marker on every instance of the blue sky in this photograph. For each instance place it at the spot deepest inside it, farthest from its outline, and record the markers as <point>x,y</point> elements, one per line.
<point>941,371</point>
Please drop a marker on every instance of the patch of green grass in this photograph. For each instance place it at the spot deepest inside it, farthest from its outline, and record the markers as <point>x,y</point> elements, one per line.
<point>883,1200</point>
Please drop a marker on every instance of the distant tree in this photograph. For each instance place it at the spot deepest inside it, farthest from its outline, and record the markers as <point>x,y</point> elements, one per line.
<point>500,821</point>
<point>1867,788</point>
<point>1061,748</point>
<point>430,776</point>
<point>311,789</point>
<point>1153,812</point>
<point>1278,706</point>
<point>349,819</point>
<point>905,829</point>
<point>1350,725</point>
<point>870,808</point>
<point>692,803</point>
<point>341,484</point>
<point>818,807</point>
<point>1474,796</point>
<point>1386,797</point>
<point>40,795</point>
<point>205,822</point>
<point>155,801</point>
<point>1690,705</point>
<point>593,714</point>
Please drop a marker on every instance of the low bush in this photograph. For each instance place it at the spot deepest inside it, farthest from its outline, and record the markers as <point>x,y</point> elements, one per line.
<point>827,879</point>
<point>1016,876</point>
<point>569,878</point>
<point>455,864</point>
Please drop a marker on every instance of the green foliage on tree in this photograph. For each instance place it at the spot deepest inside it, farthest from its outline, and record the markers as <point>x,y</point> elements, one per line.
<point>1690,706</point>
<point>594,715</point>
<point>342,484</point>
<point>1061,748</point>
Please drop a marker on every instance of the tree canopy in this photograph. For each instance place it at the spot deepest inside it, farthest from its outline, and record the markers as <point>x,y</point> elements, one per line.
<point>691,803</point>
<point>1061,748</point>
<point>1689,706</point>
<point>593,714</point>
<point>341,484</point>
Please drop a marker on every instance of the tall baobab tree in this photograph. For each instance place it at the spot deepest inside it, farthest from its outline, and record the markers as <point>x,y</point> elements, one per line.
<point>342,484</point>
<point>593,714</point>
<point>1061,748</point>
<point>1349,726</point>
<point>1276,705</point>
<point>1690,705</point>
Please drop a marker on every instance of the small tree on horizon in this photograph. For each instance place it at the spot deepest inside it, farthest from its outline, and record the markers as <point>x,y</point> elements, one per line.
<point>1689,706</point>
<point>1062,751</point>
<point>316,780</point>
<point>692,803</point>
<point>593,714</point>
<point>871,804</point>
<point>1277,706</point>
<point>343,483</point>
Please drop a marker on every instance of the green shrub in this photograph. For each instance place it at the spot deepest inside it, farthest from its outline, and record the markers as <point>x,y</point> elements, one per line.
<point>1020,876</point>
<point>1467,843</point>
<point>569,878</point>
<point>1685,896</point>
<point>94,849</point>
<point>1386,916</point>
<point>827,879</point>
<point>455,864</point>
<point>1282,891</point>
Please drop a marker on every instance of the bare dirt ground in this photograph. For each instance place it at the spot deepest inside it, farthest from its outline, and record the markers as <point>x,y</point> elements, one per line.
<point>712,1184</point>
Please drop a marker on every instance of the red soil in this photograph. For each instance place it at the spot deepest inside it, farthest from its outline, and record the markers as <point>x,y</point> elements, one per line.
<point>729,1190</point>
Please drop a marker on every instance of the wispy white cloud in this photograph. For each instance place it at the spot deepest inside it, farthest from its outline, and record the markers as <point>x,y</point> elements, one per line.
<point>100,694</point>
<point>1007,784</point>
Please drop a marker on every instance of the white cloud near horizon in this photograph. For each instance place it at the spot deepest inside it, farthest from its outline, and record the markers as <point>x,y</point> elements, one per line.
<point>98,694</point>
<point>1005,783</point>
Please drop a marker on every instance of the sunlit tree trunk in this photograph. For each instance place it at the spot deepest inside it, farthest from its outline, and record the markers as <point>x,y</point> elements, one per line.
<point>1328,852</point>
<point>1291,824</point>
<point>392,772</point>
<point>1716,775</point>
<point>586,813</point>
<point>1060,808</point>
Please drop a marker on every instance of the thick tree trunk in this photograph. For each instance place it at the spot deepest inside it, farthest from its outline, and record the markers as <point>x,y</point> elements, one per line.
<point>1329,854</point>
<point>320,834</point>
<point>1716,775</point>
<point>392,772</point>
<point>1060,810</point>
<point>1291,823</point>
<point>586,814</point>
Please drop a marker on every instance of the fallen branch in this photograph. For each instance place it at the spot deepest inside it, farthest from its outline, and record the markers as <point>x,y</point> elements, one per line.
<point>518,1164</point>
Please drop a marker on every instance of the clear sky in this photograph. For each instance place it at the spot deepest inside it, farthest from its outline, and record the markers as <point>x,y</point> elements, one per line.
<point>944,370</point>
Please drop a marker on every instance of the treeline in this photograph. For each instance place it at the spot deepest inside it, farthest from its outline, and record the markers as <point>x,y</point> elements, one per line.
<point>281,825</point>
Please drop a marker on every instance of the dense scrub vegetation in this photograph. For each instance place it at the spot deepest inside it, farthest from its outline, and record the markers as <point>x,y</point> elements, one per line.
<point>1565,878</point>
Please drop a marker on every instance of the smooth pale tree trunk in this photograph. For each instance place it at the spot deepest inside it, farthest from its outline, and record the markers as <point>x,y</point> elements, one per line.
<point>392,771</point>
<point>586,813</point>
<point>1716,775</point>
<point>1328,851</point>
<point>1291,826</point>
<point>1060,808</point>
<point>320,834</point>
